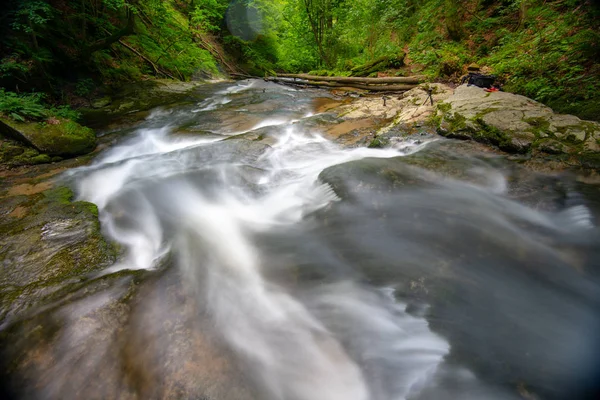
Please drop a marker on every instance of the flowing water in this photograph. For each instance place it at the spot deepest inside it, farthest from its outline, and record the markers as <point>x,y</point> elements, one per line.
<point>273,263</point>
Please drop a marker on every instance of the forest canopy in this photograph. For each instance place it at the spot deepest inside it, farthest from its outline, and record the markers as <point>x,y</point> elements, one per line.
<point>547,50</point>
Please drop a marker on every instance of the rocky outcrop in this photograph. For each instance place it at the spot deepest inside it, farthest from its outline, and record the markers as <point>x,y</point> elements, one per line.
<point>515,124</point>
<point>61,137</point>
<point>131,103</point>
<point>509,122</point>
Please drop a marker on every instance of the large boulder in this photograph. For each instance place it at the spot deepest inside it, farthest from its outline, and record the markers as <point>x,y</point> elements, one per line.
<point>62,137</point>
<point>515,123</point>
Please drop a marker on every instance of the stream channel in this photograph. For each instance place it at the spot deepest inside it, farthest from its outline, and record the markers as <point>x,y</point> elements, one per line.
<point>262,260</point>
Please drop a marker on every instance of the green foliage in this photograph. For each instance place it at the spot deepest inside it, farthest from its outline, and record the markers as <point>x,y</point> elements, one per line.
<point>31,15</point>
<point>23,106</point>
<point>545,50</point>
<point>12,67</point>
<point>29,106</point>
<point>551,61</point>
<point>84,87</point>
<point>208,15</point>
<point>64,111</point>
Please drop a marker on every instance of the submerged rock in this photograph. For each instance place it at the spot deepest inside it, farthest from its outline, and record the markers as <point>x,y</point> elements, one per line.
<point>63,138</point>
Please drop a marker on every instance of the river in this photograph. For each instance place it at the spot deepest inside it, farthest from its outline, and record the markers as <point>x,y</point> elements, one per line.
<point>261,260</point>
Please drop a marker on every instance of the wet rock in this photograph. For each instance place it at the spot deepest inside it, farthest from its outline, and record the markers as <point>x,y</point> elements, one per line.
<point>65,138</point>
<point>127,335</point>
<point>372,175</point>
<point>48,241</point>
<point>240,150</point>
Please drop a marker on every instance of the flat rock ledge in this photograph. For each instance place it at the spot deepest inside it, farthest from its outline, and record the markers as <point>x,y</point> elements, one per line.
<point>512,123</point>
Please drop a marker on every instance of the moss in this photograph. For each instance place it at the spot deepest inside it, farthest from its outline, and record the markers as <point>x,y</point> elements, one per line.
<point>59,195</point>
<point>434,120</point>
<point>91,207</point>
<point>486,111</point>
<point>377,143</point>
<point>28,156</point>
<point>379,64</point>
<point>540,126</point>
<point>572,140</point>
<point>9,150</point>
<point>456,121</point>
<point>492,135</point>
<point>444,107</point>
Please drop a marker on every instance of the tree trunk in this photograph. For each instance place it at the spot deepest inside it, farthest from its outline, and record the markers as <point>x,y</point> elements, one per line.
<point>343,79</point>
<point>115,37</point>
<point>36,47</point>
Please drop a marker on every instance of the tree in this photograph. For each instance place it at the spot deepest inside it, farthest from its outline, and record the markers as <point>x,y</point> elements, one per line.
<point>320,18</point>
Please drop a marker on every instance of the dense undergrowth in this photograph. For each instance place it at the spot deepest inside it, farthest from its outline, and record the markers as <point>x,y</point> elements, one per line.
<point>31,106</point>
<point>73,46</point>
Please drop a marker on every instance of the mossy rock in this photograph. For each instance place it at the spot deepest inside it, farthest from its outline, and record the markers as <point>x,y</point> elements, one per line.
<point>14,153</point>
<point>66,138</point>
<point>378,143</point>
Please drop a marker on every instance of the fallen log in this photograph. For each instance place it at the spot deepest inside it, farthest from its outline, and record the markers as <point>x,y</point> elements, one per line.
<point>380,64</point>
<point>374,88</point>
<point>378,88</point>
<point>349,79</point>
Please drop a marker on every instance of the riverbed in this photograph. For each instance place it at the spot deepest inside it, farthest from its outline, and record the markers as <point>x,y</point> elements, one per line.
<point>259,257</point>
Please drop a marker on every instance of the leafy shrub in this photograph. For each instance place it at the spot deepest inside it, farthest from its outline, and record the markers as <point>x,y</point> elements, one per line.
<point>22,106</point>
<point>29,106</point>
<point>65,112</point>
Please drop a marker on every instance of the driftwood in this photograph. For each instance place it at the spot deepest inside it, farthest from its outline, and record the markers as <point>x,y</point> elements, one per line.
<point>350,79</point>
<point>374,88</point>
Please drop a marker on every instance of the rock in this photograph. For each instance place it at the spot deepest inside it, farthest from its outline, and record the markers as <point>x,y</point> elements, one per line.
<point>366,116</point>
<point>138,97</point>
<point>65,138</point>
<point>47,242</point>
<point>14,153</point>
<point>370,176</point>
<point>101,102</point>
<point>414,107</point>
<point>514,123</point>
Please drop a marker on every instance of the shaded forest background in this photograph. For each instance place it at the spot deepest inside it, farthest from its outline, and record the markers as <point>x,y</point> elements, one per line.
<point>62,50</point>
